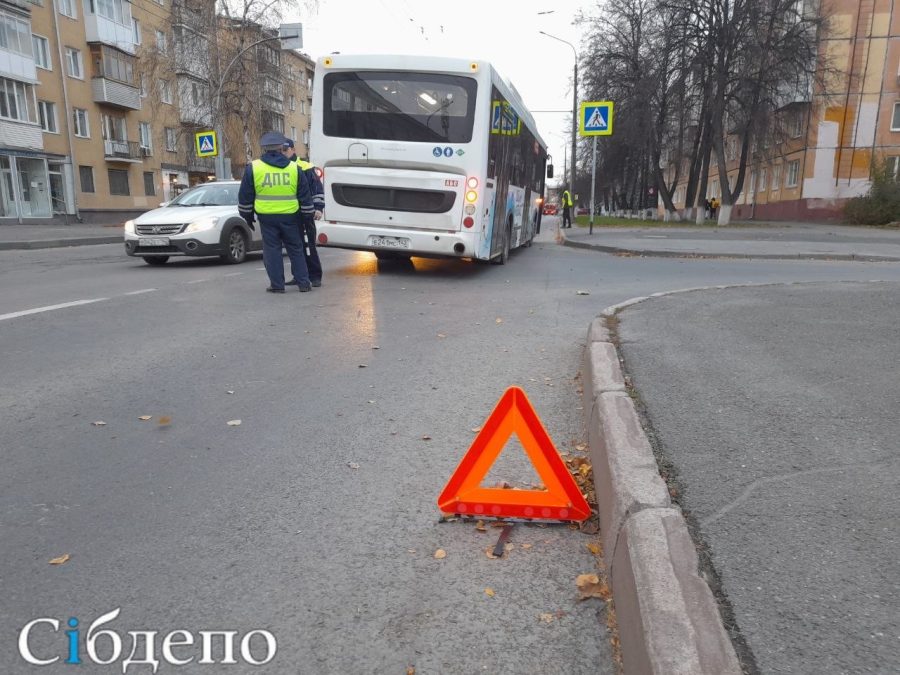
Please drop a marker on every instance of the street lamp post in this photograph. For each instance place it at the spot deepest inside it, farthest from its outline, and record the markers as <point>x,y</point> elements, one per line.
<point>574,107</point>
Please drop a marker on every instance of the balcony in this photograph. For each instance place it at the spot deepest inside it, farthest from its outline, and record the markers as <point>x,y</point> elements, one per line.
<point>116,94</point>
<point>25,135</point>
<point>201,164</point>
<point>100,29</point>
<point>123,151</point>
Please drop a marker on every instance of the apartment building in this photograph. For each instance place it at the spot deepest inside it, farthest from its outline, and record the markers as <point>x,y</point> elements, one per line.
<point>100,101</point>
<point>823,142</point>
<point>271,90</point>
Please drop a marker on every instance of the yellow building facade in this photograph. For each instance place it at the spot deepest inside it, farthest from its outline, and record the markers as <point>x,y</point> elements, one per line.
<point>100,101</point>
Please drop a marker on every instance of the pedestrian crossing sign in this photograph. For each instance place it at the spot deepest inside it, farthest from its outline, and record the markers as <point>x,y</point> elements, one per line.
<point>596,118</point>
<point>205,144</point>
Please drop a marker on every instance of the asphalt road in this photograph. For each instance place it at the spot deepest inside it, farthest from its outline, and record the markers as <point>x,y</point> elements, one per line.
<point>197,525</point>
<point>777,408</point>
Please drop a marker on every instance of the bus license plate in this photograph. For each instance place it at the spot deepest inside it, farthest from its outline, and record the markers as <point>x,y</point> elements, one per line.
<point>153,242</point>
<point>389,242</point>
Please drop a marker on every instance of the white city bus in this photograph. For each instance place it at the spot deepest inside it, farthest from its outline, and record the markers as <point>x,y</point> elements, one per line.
<point>425,156</point>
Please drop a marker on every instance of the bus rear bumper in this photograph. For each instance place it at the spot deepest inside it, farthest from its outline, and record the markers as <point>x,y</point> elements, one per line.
<point>431,244</point>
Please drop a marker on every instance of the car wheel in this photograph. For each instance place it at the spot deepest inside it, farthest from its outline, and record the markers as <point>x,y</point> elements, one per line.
<point>156,260</point>
<point>235,247</point>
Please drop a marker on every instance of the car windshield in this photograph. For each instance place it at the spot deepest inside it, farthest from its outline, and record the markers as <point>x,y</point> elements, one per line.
<point>208,194</point>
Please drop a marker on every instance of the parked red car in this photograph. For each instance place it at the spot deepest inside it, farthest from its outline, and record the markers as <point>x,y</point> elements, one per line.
<point>549,209</point>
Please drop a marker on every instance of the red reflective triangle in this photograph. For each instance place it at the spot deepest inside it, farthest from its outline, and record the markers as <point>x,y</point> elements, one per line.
<point>463,494</point>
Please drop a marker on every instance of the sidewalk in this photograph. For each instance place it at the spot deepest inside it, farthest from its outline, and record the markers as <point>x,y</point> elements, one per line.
<point>16,236</point>
<point>776,240</point>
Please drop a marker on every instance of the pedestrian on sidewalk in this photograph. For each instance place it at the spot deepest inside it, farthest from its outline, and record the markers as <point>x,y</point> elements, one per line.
<point>307,222</point>
<point>275,191</point>
<point>567,209</point>
<point>713,207</point>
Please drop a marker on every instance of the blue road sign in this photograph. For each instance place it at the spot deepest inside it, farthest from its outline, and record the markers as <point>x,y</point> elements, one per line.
<point>596,118</point>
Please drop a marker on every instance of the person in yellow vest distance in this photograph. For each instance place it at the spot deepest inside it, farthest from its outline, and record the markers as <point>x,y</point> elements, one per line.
<point>276,192</point>
<point>567,208</point>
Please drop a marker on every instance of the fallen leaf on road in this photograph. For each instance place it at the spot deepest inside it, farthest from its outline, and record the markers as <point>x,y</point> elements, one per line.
<point>547,618</point>
<point>593,548</point>
<point>426,438</point>
<point>498,320</point>
<point>440,554</point>
<point>64,558</point>
<point>581,447</point>
<point>480,526</point>
<point>441,335</point>
<point>144,418</point>
<point>99,423</point>
<point>508,547</point>
<point>489,592</point>
<point>475,430</point>
<point>371,401</point>
<point>230,391</point>
<point>582,293</point>
<point>590,586</point>
<point>234,423</point>
<point>164,420</point>
<point>353,465</point>
<point>489,552</point>
<point>375,347</point>
<point>363,365</point>
<point>411,670</point>
<point>526,546</point>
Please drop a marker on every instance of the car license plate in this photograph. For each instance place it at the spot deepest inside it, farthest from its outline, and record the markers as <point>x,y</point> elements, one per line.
<point>389,242</point>
<point>157,241</point>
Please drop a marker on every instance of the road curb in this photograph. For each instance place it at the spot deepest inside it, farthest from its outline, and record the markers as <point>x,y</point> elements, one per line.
<point>667,615</point>
<point>58,243</point>
<point>616,250</point>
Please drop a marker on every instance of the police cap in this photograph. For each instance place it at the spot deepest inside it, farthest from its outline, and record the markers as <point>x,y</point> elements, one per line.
<point>272,138</point>
<point>288,143</point>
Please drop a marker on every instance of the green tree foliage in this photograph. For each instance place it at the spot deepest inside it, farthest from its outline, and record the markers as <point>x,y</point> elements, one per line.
<point>881,205</point>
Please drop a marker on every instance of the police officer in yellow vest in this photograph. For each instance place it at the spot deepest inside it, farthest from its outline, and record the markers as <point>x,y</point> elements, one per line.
<point>567,208</point>
<point>276,192</point>
<point>308,222</point>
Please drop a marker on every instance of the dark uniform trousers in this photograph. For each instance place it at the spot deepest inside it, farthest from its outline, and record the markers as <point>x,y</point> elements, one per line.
<point>278,230</point>
<point>313,264</point>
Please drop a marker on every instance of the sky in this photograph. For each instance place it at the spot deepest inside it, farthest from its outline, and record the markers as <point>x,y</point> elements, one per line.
<point>503,33</point>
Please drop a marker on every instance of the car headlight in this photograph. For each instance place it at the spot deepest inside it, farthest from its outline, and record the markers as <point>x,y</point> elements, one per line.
<point>202,224</point>
<point>129,227</point>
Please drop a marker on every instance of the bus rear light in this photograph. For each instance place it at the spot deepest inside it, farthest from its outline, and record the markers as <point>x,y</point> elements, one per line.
<point>468,221</point>
<point>472,183</point>
<point>471,196</point>
<point>322,238</point>
<point>469,209</point>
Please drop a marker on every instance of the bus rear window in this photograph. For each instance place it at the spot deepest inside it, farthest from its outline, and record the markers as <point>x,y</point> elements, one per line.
<point>399,106</point>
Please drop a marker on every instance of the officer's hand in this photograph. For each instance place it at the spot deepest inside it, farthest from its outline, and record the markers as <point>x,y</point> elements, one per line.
<point>318,215</point>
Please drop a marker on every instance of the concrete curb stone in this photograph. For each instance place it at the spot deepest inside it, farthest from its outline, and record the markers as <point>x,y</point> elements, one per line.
<point>58,243</point>
<point>668,619</point>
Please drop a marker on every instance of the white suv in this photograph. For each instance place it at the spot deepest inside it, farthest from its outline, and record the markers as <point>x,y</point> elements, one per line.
<point>202,221</point>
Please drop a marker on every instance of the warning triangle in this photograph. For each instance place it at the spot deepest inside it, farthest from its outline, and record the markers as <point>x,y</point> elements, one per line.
<point>463,494</point>
<point>206,144</point>
<point>597,121</point>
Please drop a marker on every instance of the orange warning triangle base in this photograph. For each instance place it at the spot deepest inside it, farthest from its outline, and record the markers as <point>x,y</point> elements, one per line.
<point>463,494</point>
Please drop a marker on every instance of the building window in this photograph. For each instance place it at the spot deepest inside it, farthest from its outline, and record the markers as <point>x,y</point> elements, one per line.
<point>763,177</point>
<point>895,119</point>
<point>892,165</point>
<point>80,118</point>
<point>16,100</point>
<point>113,64</point>
<point>47,116</point>
<point>293,103</point>
<point>118,182</point>
<point>86,173</point>
<point>143,86</point>
<point>776,177</point>
<point>74,63</point>
<point>161,41</point>
<point>117,11</point>
<point>171,140</point>
<point>306,137</point>
<point>41,52</point>
<point>146,137</point>
<point>136,30</point>
<point>67,8</point>
<point>793,174</point>
<point>165,91</point>
<point>796,129</point>
<point>149,184</point>
<point>293,135</point>
<point>113,127</point>
<point>302,107</point>
<point>15,34</point>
